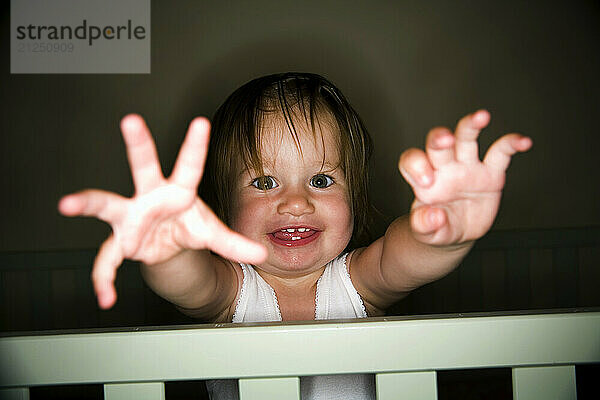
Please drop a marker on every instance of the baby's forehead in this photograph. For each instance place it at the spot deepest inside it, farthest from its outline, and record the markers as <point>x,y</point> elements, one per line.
<point>278,138</point>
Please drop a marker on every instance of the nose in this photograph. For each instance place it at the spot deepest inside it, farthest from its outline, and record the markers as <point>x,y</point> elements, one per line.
<point>296,203</point>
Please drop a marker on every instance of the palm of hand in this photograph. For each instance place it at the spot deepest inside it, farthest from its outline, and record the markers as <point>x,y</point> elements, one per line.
<point>146,232</point>
<point>456,195</point>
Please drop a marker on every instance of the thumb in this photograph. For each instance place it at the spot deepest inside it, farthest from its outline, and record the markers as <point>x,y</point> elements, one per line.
<point>237,247</point>
<point>208,231</point>
<point>426,221</point>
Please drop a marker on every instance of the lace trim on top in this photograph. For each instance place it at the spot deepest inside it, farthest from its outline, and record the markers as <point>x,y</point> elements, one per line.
<point>276,302</point>
<point>362,304</point>
<point>242,293</point>
<point>317,294</point>
<point>347,273</point>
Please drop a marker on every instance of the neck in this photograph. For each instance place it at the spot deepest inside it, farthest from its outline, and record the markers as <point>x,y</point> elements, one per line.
<point>296,286</point>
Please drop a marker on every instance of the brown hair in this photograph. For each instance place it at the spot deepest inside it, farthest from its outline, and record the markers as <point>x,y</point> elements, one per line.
<point>236,136</point>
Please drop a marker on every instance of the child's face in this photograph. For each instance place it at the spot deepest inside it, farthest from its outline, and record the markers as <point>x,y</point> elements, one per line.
<point>303,216</point>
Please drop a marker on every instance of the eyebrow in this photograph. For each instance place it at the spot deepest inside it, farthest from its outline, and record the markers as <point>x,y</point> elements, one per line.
<point>328,167</point>
<point>323,167</point>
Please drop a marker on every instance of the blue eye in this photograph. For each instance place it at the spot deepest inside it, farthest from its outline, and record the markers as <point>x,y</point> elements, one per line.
<point>321,181</point>
<point>264,183</point>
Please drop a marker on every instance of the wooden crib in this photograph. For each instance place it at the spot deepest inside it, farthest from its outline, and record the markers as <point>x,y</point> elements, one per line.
<point>46,292</point>
<point>404,354</point>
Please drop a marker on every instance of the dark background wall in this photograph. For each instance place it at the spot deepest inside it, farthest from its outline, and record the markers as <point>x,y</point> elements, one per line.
<point>406,66</point>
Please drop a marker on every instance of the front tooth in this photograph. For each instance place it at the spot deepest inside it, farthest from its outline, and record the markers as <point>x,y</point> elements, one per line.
<point>291,230</point>
<point>296,237</point>
<point>301,229</point>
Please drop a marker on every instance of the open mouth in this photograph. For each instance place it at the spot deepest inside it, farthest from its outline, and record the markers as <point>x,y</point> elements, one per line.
<point>294,236</point>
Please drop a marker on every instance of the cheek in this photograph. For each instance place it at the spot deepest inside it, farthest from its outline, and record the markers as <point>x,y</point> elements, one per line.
<point>348,218</point>
<point>246,212</point>
<point>343,220</point>
<point>340,210</point>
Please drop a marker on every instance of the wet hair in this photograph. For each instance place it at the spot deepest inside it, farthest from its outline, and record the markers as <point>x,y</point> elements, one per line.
<point>237,128</point>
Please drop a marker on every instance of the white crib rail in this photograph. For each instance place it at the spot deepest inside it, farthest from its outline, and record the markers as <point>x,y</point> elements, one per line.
<point>404,353</point>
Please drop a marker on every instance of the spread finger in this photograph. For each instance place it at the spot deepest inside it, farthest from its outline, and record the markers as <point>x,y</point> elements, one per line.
<point>107,261</point>
<point>440,147</point>
<point>190,161</point>
<point>141,153</point>
<point>106,206</point>
<point>416,168</point>
<point>500,152</point>
<point>467,131</point>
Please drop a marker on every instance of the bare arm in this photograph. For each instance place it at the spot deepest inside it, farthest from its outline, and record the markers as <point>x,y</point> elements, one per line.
<point>199,283</point>
<point>395,264</point>
<point>456,201</point>
<point>166,226</point>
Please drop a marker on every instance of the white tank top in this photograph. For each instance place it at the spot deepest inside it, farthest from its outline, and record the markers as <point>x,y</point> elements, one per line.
<point>336,299</point>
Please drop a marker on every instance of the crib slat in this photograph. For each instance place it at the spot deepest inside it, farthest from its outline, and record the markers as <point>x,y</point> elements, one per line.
<point>411,385</point>
<point>532,383</point>
<point>14,394</point>
<point>127,391</point>
<point>270,388</point>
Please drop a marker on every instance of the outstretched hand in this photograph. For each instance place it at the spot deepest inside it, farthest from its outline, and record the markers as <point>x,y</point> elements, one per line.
<point>456,195</point>
<point>164,217</point>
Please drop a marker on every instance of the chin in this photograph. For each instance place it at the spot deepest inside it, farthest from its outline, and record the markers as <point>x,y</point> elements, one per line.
<point>301,259</point>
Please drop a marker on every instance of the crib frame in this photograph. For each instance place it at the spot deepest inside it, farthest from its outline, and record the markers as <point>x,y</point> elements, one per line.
<point>404,353</point>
